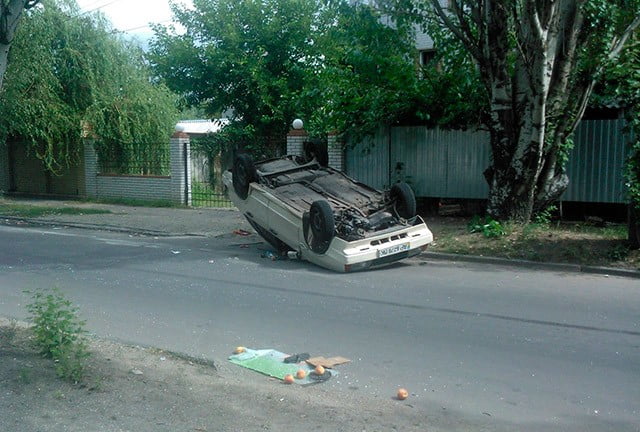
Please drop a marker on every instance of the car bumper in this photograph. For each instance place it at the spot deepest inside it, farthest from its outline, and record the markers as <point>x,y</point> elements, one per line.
<point>375,251</point>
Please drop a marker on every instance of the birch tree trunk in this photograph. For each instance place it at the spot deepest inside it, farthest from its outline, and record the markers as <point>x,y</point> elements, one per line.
<point>538,64</point>
<point>10,12</point>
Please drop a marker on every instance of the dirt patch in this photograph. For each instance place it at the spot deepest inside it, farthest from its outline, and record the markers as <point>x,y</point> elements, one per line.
<point>566,242</point>
<point>139,389</point>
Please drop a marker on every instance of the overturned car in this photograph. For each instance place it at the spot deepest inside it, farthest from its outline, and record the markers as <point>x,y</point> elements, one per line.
<point>324,216</point>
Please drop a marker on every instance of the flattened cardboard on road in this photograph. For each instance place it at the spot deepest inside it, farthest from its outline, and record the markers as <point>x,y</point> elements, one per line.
<point>271,363</point>
<point>327,362</point>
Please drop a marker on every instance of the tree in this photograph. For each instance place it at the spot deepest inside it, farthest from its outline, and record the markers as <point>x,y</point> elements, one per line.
<point>367,75</point>
<point>69,69</point>
<point>538,61</point>
<point>620,86</point>
<point>10,13</point>
<point>370,76</point>
<point>248,56</point>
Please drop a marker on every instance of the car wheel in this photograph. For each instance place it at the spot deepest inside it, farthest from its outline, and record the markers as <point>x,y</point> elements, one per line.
<point>322,226</point>
<point>244,172</point>
<point>404,200</point>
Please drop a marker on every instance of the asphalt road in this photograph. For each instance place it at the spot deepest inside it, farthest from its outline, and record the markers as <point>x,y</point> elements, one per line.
<point>479,347</point>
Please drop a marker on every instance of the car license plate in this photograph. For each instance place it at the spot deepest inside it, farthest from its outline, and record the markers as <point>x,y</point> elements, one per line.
<point>391,250</point>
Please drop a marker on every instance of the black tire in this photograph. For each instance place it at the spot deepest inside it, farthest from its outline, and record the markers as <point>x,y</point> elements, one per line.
<point>321,226</point>
<point>404,200</point>
<point>244,172</point>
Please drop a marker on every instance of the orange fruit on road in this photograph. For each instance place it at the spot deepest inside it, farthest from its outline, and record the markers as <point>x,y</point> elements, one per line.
<point>288,379</point>
<point>402,394</point>
<point>319,370</point>
<point>301,373</point>
<point>239,350</point>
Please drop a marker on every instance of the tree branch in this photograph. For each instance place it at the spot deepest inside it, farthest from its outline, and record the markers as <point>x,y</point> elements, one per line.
<point>617,45</point>
<point>456,29</point>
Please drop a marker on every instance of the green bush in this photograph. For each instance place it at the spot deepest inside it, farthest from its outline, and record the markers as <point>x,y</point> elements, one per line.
<point>543,217</point>
<point>487,226</point>
<point>59,333</point>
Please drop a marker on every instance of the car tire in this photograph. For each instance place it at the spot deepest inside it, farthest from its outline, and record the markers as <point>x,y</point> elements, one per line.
<point>321,226</point>
<point>244,172</point>
<point>404,200</point>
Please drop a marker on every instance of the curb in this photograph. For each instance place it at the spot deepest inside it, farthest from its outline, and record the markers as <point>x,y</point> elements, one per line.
<point>440,256</point>
<point>576,268</point>
<point>97,227</point>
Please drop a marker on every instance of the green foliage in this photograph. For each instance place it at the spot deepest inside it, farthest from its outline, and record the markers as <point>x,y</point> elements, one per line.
<point>59,333</point>
<point>249,56</point>
<point>543,217</point>
<point>489,227</point>
<point>70,76</point>
<point>336,64</point>
<point>367,75</point>
<point>370,76</point>
<point>621,86</point>
<point>618,252</point>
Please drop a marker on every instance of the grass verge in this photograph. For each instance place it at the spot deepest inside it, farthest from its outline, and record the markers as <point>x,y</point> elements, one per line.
<point>561,242</point>
<point>32,211</point>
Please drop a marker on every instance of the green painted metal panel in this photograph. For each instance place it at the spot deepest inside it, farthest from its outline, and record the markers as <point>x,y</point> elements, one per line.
<point>450,164</point>
<point>368,161</point>
<point>596,163</point>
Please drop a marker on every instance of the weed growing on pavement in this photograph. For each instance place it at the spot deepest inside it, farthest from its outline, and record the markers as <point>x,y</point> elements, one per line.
<point>59,333</point>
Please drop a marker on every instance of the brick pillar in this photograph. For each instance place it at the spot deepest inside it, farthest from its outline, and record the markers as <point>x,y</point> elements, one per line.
<point>181,168</point>
<point>90,169</point>
<point>295,141</point>
<point>335,152</point>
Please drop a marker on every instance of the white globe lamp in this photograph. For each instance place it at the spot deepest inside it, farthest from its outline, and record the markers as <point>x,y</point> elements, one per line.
<point>297,124</point>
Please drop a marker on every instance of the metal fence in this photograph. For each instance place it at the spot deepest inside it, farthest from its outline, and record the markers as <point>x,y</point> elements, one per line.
<point>207,189</point>
<point>146,163</point>
<point>450,164</point>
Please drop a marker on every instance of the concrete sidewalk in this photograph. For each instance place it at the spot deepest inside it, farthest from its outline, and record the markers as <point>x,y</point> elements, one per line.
<point>157,221</point>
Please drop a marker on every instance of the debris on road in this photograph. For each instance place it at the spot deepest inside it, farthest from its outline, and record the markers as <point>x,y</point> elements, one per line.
<point>327,362</point>
<point>297,358</point>
<point>269,254</point>
<point>288,379</point>
<point>279,365</point>
<point>402,394</point>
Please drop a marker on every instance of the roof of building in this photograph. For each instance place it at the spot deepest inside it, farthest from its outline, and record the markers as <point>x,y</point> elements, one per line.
<point>201,127</point>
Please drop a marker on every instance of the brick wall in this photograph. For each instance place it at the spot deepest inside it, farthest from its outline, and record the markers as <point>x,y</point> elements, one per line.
<point>180,168</point>
<point>175,188</point>
<point>134,187</point>
<point>295,141</point>
<point>335,152</point>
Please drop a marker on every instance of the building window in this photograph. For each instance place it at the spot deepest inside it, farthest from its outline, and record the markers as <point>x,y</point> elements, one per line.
<point>427,56</point>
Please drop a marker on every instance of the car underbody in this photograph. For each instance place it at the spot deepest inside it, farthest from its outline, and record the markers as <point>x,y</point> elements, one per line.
<point>311,209</point>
